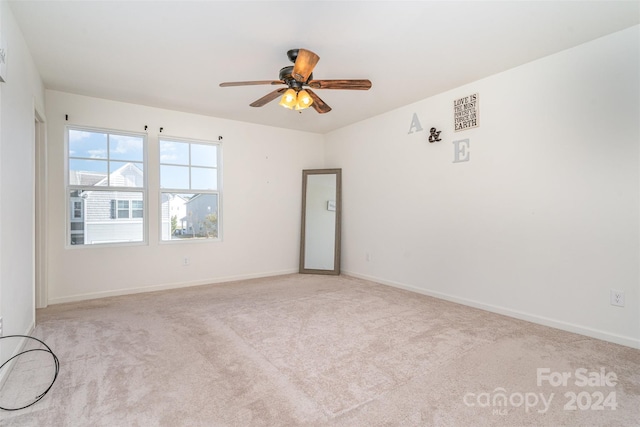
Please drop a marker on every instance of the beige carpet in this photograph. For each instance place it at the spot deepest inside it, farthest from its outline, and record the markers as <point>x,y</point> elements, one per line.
<point>314,351</point>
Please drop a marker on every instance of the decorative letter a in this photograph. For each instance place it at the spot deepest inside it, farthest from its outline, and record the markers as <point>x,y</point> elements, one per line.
<point>415,124</point>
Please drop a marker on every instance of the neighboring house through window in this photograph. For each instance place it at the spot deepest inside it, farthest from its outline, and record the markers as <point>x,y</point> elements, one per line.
<point>189,189</point>
<point>106,186</point>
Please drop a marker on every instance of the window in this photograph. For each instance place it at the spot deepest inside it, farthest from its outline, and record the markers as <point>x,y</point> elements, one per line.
<point>106,186</point>
<point>127,209</point>
<point>77,210</point>
<point>190,189</point>
<point>137,209</point>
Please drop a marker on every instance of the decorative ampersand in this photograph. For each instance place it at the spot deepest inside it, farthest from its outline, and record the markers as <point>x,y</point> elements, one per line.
<point>435,135</point>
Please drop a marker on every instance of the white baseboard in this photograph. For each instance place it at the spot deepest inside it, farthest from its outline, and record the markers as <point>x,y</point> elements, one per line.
<point>166,286</point>
<point>533,318</point>
<point>21,342</point>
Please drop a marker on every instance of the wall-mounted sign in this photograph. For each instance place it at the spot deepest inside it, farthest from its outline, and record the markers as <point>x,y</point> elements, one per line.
<point>465,112</point>
<point>3,59</point>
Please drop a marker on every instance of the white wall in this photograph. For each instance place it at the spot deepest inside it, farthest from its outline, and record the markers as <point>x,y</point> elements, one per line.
<point>20,96</point>
<point>261,203</point>
<point>540,223</point>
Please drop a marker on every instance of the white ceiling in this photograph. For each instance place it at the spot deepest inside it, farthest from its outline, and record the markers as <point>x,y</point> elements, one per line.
<point>173,54</point>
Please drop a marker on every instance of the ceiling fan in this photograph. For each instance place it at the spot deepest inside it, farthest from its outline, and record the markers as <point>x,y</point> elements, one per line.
<point>299,79</point>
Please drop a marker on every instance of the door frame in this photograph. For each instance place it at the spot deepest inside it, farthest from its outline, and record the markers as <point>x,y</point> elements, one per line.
<point>40,212</point>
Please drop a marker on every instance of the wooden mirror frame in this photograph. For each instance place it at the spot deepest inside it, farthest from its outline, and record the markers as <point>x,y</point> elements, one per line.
<point>337,239</point>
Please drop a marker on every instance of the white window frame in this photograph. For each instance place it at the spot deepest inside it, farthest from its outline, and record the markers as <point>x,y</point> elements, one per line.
<point>144,190</point>
<point>163,190</point>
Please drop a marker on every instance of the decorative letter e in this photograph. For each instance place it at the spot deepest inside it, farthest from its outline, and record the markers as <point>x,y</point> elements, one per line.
<point>461,151</point>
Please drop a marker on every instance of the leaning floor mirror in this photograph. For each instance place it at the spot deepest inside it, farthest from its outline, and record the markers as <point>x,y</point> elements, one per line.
<point>321,208</point>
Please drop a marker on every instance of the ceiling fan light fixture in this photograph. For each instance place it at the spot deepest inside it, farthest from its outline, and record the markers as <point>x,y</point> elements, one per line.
<point>304,100</point>
<point>295,78</point>
<point>289,99</point>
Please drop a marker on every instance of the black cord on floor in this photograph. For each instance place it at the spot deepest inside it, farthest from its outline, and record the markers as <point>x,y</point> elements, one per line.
<point>47,350</point>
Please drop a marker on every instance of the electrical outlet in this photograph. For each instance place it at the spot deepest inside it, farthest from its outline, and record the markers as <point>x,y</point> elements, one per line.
<point>367,257</point>
<point>617,298</point>
<point>1,327</point>
<point>186,261</point>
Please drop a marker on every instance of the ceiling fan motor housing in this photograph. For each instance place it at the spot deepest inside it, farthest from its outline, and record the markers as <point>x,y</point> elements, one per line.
<point>286,75</point>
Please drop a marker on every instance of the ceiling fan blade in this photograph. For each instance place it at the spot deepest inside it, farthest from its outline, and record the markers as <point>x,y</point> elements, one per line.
<point>305,62</point>
<point>268,97</point>
<point>341,84</point>
<point>251,83</point>
<point>318,104</point>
